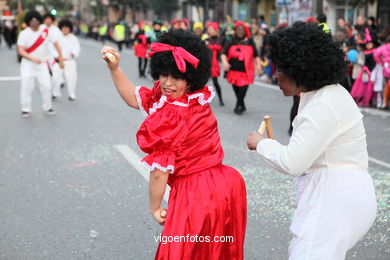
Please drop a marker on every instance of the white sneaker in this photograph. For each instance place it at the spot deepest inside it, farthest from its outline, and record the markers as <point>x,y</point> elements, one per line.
<point>50,112</point>
<point>25,114</point>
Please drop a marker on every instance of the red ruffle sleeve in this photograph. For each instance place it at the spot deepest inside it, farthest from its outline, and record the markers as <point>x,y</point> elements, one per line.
<point>147,98</point>
<point>161,135</point>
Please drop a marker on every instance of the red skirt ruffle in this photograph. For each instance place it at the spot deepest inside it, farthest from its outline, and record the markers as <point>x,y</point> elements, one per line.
<point>215,70</point>
<point>239,78</point>
<point>209,203</point>
<point>140,50</point>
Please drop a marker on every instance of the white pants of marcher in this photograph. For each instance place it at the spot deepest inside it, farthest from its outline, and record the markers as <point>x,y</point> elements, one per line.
<point>335,209</point>
<point>39,75</point>
<point>56,79</point>
<point>70,72</point>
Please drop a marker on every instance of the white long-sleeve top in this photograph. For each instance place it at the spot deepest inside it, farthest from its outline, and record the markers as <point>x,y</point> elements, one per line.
<point>328,133</point>
<point>70,46</point>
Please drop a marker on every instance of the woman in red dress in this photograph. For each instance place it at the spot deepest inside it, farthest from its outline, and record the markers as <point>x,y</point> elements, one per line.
<point>141,49</point>
<point>214,43</point>
<point>207,200</point>
<point>238,57</point>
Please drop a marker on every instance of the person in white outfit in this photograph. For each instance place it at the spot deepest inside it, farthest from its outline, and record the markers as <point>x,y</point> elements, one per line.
<point>70,51</point>
<point>53,66</point>
<point>33,47</point>
<point>327,152</point>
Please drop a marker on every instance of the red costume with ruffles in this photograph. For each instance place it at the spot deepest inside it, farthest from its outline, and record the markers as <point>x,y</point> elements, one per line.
<point>215,47</point>
<point>243,53</point>
<point>141,48</point>
<point>207,198</point>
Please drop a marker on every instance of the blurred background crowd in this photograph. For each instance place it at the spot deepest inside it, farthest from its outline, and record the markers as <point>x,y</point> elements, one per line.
<point>359,27</point>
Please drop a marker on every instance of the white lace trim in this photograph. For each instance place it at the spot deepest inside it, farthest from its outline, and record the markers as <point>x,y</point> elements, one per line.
<point>199,96</point>
<point>139,101</point>
<point>157,105</point>
<point>170,168</point>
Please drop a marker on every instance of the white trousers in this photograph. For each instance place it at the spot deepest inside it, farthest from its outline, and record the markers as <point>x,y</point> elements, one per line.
<point>335,209</point>
<point>70,73</point>
<point>56,79</point>
<point>41,77</point>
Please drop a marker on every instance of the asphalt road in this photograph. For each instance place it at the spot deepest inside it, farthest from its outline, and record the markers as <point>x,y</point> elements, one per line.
<point>68,192</point>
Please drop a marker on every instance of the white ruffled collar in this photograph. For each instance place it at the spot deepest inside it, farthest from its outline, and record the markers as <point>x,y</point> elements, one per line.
<point>203,96</point>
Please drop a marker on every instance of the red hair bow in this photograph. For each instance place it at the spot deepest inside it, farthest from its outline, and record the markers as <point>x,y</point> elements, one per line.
<point>179,54</point>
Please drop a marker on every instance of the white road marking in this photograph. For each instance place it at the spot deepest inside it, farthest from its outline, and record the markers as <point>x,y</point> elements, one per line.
<point>133,158</point>
<point>16,78</point>
<point>379,162</point>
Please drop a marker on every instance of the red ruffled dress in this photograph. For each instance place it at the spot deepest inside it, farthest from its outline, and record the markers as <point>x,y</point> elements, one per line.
<point>207,199</point>
<point>241,58</point>
<point>216,48</point>
<point>141,49</point>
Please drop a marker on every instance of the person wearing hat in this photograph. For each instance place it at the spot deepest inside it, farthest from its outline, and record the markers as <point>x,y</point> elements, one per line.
<point>33,46</point>
<point>141,49</point>
<point>152,34</point>
<point>175,24</point>
<point>184,24</point>
<point>214,43</point>
<point>198,30</point>
<point>238,58</point>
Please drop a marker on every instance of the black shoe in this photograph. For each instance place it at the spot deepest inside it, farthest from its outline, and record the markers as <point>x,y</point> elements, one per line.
<point>53,97</point>
<point>62,85</point>
<point>25,114</point>
<point>238,110</point>
<point>221,103</point>
<point>71,99</point>
<point>50,112</point>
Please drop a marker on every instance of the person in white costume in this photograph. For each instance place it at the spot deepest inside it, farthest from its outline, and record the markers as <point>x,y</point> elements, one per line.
<point>33,46</point>
<point>70,47</point>
<point>327,152</point>
<point>53,66</point>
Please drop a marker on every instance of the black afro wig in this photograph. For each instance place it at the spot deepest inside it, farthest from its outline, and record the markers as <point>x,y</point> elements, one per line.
<point>31,15</point>
<point>66,23</point>
<point>307,55</point>
<point>49,15</point>
<point>163,63</point>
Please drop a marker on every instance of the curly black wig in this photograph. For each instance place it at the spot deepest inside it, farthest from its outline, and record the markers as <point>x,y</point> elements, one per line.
<point>49,15</point>
<point>31,15</point>
<point>307,55</point>
<point>65,23</point>
<point>163,63</point>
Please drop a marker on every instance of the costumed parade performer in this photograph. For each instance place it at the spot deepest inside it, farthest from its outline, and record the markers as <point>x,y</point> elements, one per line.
<point>180,136</point>
<point>327,152</point>
<point>238,59</point>
<point>214,43</point>
<point>33,47</point>
<point>141,49</point>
